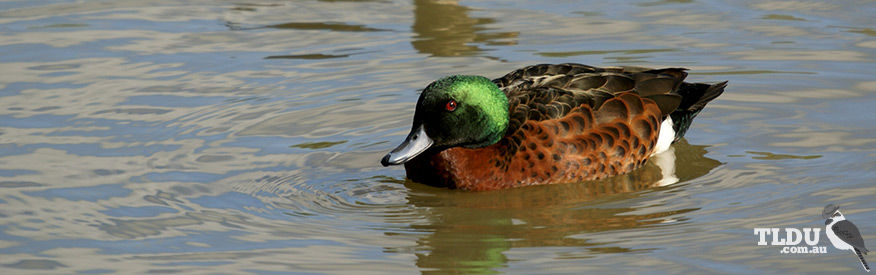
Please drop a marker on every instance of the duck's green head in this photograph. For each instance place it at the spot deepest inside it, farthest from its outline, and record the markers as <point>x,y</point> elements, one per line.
<point>460,110</point>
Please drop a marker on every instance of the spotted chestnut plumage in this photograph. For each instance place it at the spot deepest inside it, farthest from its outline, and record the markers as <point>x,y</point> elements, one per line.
<point>545,124</point>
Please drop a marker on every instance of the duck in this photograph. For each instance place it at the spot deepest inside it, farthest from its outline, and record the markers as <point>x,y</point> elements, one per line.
<point>547,124</point>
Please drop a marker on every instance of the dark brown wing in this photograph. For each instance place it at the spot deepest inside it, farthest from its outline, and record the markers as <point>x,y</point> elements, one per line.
<point>551,91</point>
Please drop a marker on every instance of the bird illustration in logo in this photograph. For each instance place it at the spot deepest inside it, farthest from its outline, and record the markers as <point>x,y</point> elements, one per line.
<point>843,234</point>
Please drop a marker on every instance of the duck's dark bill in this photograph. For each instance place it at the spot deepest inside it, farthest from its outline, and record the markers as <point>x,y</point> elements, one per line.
<point>416,142</point>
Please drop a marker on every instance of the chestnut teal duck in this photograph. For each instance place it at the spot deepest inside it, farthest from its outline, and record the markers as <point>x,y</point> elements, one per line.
<point>547,123</point>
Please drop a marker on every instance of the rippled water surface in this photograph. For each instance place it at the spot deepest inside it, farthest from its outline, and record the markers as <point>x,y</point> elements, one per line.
<point>245,136</point>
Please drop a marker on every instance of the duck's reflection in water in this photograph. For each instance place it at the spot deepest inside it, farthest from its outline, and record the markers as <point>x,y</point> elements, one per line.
<point>470,231</point>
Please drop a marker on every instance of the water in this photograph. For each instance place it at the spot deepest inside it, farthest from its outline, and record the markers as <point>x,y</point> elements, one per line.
<point>244,136</point>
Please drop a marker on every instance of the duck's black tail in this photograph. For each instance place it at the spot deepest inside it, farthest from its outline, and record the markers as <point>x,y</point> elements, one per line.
<point>863,262</point>
<point>694,97</point>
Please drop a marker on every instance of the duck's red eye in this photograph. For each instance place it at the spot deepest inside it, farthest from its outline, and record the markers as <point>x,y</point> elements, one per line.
<point>451,105</point>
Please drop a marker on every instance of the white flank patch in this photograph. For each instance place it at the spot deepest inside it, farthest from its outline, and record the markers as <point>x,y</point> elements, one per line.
<point>665,137</point>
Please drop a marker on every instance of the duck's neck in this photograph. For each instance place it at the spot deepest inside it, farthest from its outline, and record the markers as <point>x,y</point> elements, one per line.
<point>492,136</point>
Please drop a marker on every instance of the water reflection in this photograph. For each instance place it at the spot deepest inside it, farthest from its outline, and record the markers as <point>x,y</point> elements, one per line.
<point>339,27</point>
<point>307,56</point>
<point>470,232</point>
<point>444,28</point>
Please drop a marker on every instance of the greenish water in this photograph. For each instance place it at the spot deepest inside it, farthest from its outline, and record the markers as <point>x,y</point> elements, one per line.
<point>245,136</point>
